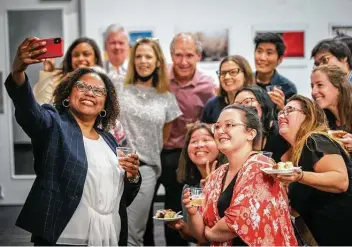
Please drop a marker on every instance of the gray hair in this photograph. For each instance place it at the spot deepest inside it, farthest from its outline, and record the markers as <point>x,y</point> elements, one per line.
<point>115,28</point>
<point>192,36</point>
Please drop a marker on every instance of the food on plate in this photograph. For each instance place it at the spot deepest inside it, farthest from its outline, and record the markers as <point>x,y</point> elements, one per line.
<point>337,133</point>
<point>283,165</point>
<point>165,213</point>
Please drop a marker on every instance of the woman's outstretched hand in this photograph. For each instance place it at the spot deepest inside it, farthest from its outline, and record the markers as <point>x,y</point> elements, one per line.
<point>26,54</point>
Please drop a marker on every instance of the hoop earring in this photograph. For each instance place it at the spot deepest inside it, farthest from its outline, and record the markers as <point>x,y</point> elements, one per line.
<point>66,103</point>
<point>102,113</point>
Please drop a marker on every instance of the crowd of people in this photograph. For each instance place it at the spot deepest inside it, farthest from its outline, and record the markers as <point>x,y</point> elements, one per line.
<point>184,132</point>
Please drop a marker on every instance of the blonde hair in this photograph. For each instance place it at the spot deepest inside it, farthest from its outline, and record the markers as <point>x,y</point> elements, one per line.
<point>314,123</point>
<point>161,78</point>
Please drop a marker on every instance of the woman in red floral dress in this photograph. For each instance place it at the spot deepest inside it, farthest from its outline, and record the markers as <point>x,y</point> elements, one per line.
<point>243,206</point>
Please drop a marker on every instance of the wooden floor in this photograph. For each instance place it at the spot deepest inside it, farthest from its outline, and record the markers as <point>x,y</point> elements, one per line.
<point>12,235</point>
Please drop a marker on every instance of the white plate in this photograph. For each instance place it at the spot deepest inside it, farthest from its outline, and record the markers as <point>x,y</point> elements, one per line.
<point>280,171</point>
<point>169,219</point>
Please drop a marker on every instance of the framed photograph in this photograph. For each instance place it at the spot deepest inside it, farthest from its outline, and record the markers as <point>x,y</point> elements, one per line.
<point>215,42</point>
<point>340,29</point>
<point>294,36</point>
<point>136,35</point>
<point>294,41</point>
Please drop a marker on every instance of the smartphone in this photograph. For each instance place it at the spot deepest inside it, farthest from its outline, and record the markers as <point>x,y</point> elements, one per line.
<point>54,48</point>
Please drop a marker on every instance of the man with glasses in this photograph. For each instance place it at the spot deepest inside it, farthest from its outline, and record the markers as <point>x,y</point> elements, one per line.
<point>192,89</point>
<point>333,51</point>
<point>268,55</point>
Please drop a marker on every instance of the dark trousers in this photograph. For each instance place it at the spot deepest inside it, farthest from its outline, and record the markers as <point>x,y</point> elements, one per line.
<point>173,192</point>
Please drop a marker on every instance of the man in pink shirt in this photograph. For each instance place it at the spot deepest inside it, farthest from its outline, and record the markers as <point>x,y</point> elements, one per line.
<point>192,89</point>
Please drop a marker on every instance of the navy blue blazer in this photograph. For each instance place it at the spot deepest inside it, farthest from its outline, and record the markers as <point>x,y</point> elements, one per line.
<point>60,164</point>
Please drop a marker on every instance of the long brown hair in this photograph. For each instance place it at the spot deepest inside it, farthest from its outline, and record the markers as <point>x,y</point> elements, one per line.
<point>314,123</point>
<point>161,79</point>
<point>245,68</point>
<point>337,78</point>
<point>187,172</point>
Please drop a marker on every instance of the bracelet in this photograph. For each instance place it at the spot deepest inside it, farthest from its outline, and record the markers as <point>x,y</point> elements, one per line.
<point>300,177</point>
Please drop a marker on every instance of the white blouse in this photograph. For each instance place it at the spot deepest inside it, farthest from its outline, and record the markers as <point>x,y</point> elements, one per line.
<point>96,220</point>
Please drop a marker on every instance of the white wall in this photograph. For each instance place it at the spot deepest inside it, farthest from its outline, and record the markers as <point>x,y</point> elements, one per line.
<point>238,15</point>
<point>14,188</point>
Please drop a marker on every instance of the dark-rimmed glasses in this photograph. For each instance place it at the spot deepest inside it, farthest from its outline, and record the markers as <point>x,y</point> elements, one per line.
<point>287,110</point>
<point>232,72</point>
<point>226,126</point>
<point>247,101</point>
<point>84,87</point>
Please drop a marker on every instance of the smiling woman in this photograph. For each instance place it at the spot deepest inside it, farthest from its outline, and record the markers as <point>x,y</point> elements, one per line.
<point>147,111</point>
<point>234,73</point>
<point>74,158</point>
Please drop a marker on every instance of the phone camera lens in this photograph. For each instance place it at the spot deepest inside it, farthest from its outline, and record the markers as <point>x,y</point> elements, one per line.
<point>57,40</point>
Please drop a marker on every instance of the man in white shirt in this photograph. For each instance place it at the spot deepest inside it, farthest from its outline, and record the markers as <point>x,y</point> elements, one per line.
<point>116,42</point>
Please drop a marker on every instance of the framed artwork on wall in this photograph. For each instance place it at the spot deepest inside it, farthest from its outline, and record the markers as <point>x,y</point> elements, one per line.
<point>136,35</point>
<point>215,42</point>
<point>294,36</point>
<point>340,29</point>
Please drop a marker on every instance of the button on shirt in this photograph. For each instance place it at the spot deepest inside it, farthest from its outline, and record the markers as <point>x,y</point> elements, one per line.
<point>191,98</point>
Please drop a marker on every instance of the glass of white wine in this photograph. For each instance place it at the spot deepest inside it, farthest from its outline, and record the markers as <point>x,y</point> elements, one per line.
<point>197,197</point>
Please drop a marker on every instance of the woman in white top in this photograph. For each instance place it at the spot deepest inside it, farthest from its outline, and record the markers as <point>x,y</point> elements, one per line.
<point>81,190</point>
<point>83,52</point>
<point>147,111</point>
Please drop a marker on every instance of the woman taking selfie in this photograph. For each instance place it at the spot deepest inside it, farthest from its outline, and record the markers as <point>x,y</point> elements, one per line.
<point>321,193</point>
<point>81,192</point>
<point>239,198</point>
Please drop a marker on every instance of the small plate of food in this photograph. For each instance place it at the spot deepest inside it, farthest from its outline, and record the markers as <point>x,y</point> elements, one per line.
<point>337,133</point>
<point>285,168</point>
<point>167,215</point>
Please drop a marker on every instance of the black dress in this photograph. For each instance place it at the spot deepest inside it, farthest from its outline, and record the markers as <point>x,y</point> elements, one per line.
<point>327,215</point>
<point>224,202</point>
<point>275,143</point>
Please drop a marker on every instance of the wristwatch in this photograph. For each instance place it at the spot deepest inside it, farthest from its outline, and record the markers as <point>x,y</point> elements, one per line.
<point>134,180</point>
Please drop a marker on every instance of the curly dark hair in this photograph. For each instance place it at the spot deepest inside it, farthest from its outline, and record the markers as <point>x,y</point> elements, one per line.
<point>67,67</point>
<point>112,107</point>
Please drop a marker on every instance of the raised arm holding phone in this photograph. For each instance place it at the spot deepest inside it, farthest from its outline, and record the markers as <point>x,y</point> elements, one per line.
<point>74,157</point>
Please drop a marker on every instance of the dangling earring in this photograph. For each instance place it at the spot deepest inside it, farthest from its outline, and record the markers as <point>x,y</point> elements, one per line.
<point>102,113</point>
<point>66,103</point>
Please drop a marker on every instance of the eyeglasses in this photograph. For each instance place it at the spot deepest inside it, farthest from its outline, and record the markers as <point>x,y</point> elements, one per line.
<point>323,61</point>
<point>247,101</point>
<point>84,87</point>
<point>286,111</point>
<point>232,72</point>
<point>226,127</point>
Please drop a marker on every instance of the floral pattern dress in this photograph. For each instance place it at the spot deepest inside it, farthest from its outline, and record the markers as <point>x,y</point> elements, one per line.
<point>259,210</point>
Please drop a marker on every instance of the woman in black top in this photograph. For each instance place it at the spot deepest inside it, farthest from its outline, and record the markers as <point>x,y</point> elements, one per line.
<point>322,192</point>
<point>234,73</point>
<point>333,93</point>
<point>271,139</point>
